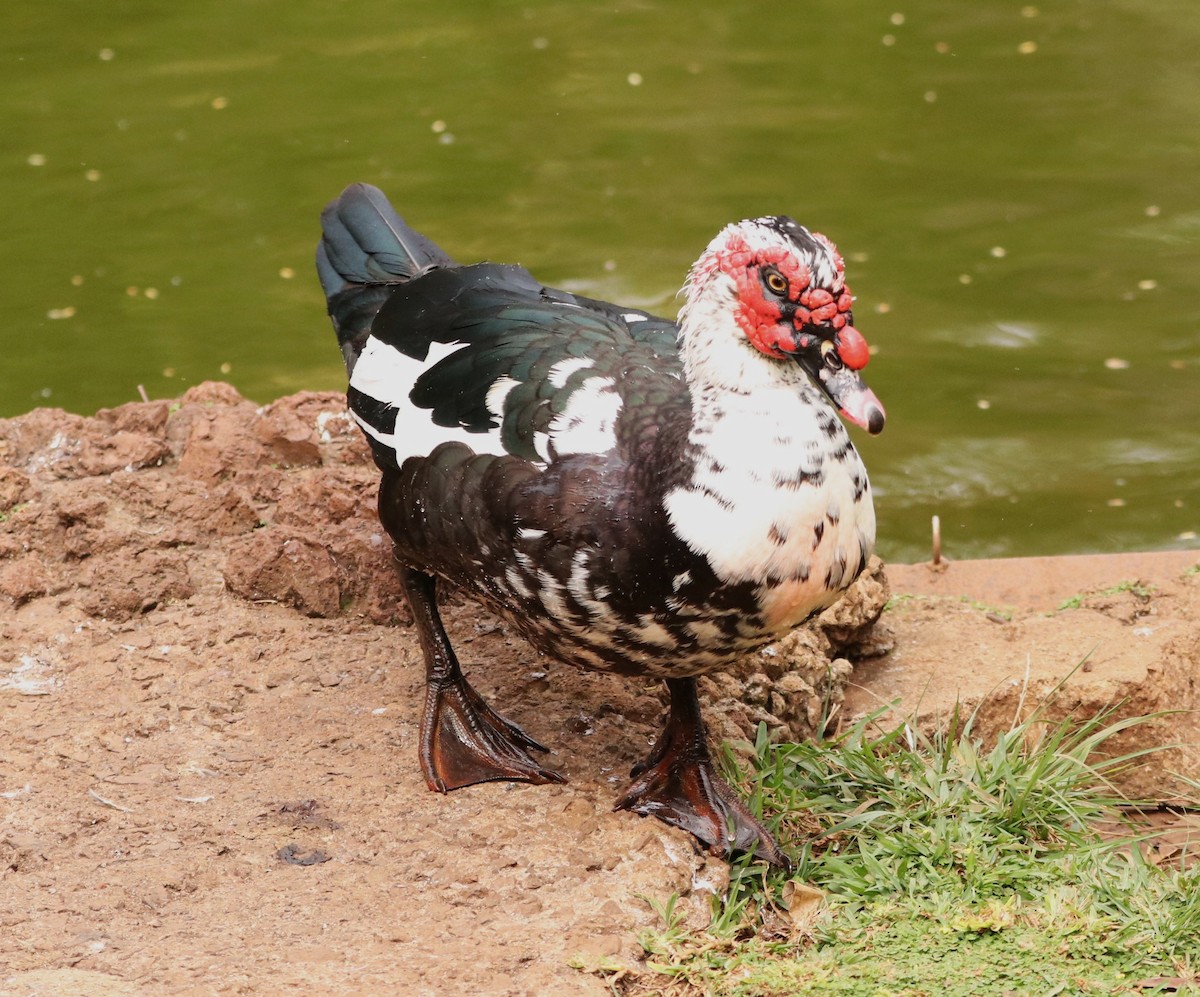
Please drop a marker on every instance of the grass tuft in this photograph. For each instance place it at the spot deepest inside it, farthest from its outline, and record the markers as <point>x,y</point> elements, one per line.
<point>1137,588</point>
<point>948,866</point>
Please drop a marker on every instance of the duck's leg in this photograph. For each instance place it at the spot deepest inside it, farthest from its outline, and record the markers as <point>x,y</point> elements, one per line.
<point>463,740</point>
<point>679,784</point>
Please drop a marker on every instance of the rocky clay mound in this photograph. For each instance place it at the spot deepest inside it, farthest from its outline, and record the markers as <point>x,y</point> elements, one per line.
<point>208,721</point>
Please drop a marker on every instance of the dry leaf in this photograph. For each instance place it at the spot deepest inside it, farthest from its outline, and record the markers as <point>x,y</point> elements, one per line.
<point>804,903</point>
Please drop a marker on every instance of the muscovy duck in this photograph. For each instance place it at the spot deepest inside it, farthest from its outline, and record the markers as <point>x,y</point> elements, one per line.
<point>631,495</point>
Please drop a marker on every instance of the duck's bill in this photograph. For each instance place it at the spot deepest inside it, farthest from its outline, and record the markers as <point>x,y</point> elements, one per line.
<point>854,399</point>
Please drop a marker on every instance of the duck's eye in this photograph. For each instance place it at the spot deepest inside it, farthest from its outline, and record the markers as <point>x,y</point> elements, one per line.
<point>776,282</point>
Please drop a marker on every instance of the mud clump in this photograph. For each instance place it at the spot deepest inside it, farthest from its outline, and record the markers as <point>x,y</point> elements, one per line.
<point>156,501</point>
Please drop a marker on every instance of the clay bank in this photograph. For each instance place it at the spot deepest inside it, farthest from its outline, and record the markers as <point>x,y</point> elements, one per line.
<point>209,692</point>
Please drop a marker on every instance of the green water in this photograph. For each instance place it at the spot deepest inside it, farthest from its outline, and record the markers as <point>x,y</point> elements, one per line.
<point>1016,191</point>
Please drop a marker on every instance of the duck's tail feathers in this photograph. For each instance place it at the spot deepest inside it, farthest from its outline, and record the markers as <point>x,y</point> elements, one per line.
<point>365,250</point>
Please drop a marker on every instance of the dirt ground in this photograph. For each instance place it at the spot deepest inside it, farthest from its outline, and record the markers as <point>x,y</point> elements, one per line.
<point>208,719</point>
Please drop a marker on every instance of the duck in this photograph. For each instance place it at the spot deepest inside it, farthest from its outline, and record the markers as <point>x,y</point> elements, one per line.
<point>631,494</point>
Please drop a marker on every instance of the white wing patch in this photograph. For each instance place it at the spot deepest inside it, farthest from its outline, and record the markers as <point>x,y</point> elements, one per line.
<point>387,375</point>
<point>384,373</point>
<point>588,423</point>
<point>562,370</point>
<point>498,394</point>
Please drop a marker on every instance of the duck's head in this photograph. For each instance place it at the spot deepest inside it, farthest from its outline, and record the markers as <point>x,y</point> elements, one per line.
<point>767,287</point>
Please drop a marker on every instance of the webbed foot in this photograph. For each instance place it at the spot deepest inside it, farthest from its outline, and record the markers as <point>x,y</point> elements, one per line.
<point>679,785</point>
<point>465,741</point>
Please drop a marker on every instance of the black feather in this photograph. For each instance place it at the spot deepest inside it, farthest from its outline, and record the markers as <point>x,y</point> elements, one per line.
<point>365,250</point>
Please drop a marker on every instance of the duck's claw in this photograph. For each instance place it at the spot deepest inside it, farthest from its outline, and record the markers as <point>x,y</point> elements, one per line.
<point>465,741</point>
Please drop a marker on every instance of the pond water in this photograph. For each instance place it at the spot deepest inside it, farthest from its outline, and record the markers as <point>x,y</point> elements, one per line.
<point>1015,189</point>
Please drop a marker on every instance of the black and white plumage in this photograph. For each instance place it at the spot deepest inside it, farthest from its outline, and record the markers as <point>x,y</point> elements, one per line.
<point>630,494</point>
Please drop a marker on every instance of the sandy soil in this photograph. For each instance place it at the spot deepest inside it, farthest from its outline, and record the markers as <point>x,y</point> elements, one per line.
<point>208,718</point>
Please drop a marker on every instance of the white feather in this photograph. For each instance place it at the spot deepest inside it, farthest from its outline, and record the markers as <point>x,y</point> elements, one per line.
<point>498,393</point>
<point>588,423</point>
<point>562,370</point>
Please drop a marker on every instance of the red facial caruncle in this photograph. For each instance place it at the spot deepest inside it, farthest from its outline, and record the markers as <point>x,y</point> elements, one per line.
<point>763,316</point>
<point>852,348</point>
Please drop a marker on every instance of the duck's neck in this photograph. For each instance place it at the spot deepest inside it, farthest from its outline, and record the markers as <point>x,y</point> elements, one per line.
<point>778,494</point>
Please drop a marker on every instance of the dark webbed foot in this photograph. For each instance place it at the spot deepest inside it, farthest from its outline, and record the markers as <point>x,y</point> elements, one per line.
<point>679,785</point>
<point>465,741</point>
